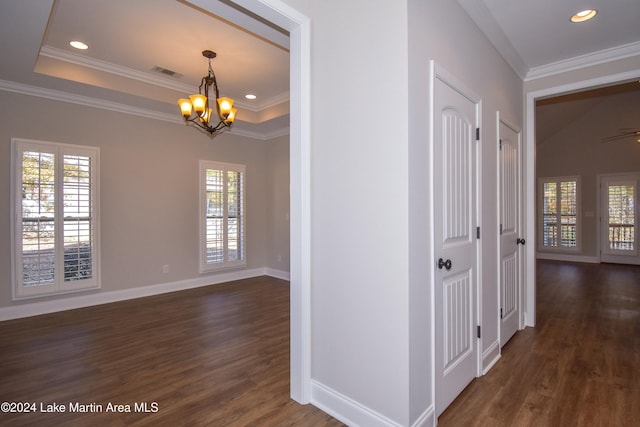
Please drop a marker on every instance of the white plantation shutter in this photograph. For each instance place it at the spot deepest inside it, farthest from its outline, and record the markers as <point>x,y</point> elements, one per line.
<point>222,215</point>
<point>559,220</point>
<point>37,226</point>
<point>621,220</point>
<point>78,218</point>
<point>55,230</point>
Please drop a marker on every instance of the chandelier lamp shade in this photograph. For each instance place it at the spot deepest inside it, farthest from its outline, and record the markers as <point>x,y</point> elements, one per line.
<point>198,108</point>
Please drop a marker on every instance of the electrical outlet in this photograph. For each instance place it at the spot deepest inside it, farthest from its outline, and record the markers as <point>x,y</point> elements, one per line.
<point>165,268</point>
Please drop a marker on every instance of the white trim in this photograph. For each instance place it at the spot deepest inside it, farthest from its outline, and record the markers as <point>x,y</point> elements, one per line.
<point>427,418</point>
<point>583,61</point>
<point>346,409</point>
<point>567,257</point>
<point>118,70</point>
<point>246,21</point>
<point>529,214</point>
<point>278,274</point>
<point>262,136</point>
<point>18,311</point>
<point>149,78</point>
<point>57,95</point>
<point>431,227</point>
<point>491,356</point>
<point>121,108</point>
<point>299,27</point>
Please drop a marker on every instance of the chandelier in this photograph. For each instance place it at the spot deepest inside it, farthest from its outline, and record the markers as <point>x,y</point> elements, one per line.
<point>199,111</point>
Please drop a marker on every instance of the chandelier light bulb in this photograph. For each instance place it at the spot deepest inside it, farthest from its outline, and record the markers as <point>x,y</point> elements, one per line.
<point>200,104</point>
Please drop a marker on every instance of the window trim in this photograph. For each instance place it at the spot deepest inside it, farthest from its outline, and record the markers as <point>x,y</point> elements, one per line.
<point>205,267</point>
<point>540,214</point>
<point>60,286</point>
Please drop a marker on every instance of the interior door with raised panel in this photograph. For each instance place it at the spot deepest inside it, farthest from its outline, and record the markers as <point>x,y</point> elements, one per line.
<point>511,241</point>
<point>455,241</point>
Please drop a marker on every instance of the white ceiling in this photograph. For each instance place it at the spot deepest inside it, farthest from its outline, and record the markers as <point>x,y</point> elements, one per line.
<point>536,37</point>
<point>128,38</point>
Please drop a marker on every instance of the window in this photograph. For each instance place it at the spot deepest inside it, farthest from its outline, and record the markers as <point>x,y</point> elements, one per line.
<point>621,218</point>
<point>55,231</point>
<point>221,215</point>
<point>559,220</point>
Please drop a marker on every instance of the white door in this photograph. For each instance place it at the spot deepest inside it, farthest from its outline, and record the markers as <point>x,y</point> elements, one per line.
<point>455,242</point>
<point>511,241</point>
<point>619,219</point>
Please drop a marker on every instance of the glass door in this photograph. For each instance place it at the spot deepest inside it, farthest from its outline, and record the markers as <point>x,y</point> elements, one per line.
<point>619,219</point>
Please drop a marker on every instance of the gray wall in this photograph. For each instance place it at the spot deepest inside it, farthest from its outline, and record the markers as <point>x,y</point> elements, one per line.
<point>371,264</point>
<point>149,189</point>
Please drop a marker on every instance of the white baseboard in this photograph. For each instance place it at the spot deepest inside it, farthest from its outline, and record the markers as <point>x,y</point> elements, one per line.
<point>278,274</point>
<point>568,257</point>
<point>490,357</point>
<point>346,409</point>
<point>86,300</point>
<point>428,418</point>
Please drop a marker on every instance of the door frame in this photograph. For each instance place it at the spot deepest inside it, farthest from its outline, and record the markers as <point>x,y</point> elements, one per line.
<point>299,27</point>
<point>501,120</point>
<point>530,173</point>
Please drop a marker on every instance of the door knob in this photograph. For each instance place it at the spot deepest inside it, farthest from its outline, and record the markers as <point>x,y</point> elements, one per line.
<point>520,241</point>
<point>446,264</point>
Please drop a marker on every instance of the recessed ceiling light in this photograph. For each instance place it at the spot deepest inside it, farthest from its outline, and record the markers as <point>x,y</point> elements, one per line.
<point>250,96</point>
<point>79,45</point>
<point>584,15</point>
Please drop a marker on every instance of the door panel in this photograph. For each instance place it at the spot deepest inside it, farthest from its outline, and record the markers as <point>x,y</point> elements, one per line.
<point>510,239</point>
<point>455,244</point>
<point>458,299</point>
<point>619,219</point>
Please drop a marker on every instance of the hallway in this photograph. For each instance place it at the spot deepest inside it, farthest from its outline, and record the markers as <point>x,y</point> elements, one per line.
<point>580,365</point>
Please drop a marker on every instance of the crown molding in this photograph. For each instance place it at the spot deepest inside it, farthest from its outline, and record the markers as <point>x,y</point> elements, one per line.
<point>583,61</point>
<point>156,80</point>
<point>261,136</point>
<point>107,67</point>
<point>264,105</point>
<point>56,95</point>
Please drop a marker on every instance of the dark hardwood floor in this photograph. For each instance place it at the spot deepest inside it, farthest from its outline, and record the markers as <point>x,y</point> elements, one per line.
<point>213,356</point>
<point>219,356</point>
<point>580,365</point>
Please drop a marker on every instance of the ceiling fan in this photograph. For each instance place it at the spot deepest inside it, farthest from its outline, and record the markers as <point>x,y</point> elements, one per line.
<point>622,134</point>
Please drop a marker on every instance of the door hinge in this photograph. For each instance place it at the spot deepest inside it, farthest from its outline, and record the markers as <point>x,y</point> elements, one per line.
<point>477,134</point>
<point>500,228</point>
<point>477,232</point>
<point>479,334</point>
<point>501,315</point>
<point>500,145</point>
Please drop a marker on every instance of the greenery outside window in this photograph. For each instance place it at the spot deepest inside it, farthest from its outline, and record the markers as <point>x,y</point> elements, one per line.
<point>559,222</point>
<point>222,215</point>
<point>55,230</point>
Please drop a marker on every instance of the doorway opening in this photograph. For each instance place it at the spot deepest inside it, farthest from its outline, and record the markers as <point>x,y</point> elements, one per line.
<point>559,159</point>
